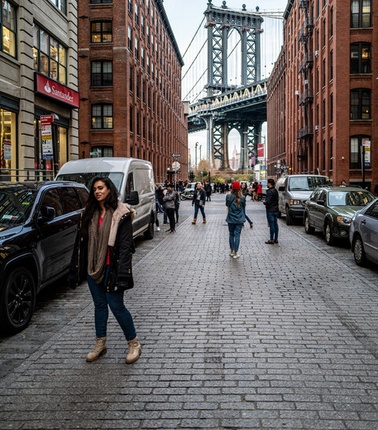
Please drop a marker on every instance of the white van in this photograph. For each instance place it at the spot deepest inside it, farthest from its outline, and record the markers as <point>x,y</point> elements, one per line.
<point>294,190</point>
<point>133,178</point>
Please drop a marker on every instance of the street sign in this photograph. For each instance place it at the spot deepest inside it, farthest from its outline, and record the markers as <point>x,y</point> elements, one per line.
<point>175,166</point>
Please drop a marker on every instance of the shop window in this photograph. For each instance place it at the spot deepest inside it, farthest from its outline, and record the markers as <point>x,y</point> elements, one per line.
<point>7,140</point>
<point>102,116</point>
<point>360,16</point>
<point>61,5</point>
<point>360,104</point>
<point>101,32</point>
<point>8,28</point>
<point>360,58</point>
<point>50,56</point>
<point>102,74</point>
<point>356,143</point>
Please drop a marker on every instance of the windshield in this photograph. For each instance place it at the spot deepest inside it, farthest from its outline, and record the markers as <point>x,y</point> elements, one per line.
<point>351,198</point>
<point>15,205</point>
<point>307,183</point>
<point>86,178</point>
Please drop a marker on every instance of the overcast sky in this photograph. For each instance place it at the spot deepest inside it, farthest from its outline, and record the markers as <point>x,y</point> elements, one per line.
<point>186,15</point>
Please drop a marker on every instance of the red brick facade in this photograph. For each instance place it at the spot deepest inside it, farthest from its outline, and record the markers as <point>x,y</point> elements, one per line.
<point>139,113</point>
<point>330,92</point>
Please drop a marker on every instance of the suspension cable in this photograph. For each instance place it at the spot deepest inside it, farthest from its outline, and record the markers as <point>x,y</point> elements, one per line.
<point>198,29</point>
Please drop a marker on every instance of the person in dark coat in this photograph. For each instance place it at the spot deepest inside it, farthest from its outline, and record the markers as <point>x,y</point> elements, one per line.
<point>103,254</point>
<point>199,198</point>
<point>272,212</point>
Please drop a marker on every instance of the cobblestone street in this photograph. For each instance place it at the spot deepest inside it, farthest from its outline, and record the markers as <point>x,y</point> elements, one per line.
<point>283,338</point>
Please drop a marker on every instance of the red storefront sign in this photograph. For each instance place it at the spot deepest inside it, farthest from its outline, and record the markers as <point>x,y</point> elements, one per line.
<point>53,89</point>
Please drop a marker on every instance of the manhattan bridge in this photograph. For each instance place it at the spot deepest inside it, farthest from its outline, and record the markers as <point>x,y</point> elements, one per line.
<point>225,79</point>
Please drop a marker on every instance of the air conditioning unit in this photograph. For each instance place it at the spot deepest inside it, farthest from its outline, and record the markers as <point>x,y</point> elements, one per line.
<point>316,53</point>
<point>297,93</point>
<point>316,128</point>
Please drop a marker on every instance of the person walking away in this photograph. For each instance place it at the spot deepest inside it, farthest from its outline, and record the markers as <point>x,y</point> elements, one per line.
<point>103,254</point>
<point>208,192</point>
<point>199,198</point>
<point>235,203</point>
<point>244,191</point>
<point>271,206</point>
<point>259,192</point>
<point>169,200</point>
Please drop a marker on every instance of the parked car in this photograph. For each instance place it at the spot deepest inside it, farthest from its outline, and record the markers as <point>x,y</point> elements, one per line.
<point>363,234</point>
<point>293,191</point>
<point>331,209</point>
<point>38,225</point>
<point>187,193</point>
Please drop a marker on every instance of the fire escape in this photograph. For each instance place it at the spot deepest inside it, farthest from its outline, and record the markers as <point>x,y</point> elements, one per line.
<point>305,134</point>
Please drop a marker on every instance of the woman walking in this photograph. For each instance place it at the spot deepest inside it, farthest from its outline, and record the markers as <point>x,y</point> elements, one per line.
<point>103,253</point>
<point>235,203</point>
<point>272,212</point>
<point>199,198</point>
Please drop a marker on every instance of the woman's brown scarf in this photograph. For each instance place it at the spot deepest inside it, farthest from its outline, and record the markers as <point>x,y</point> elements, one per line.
<point>98,245</point>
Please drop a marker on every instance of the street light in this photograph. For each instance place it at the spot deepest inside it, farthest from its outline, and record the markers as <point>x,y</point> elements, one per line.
<point>196,146</point>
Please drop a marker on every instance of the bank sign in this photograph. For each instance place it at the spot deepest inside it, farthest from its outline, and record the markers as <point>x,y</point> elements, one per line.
<point>54,90</point>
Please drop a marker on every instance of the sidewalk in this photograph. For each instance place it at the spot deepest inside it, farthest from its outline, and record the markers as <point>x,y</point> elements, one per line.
<point>283,338</point>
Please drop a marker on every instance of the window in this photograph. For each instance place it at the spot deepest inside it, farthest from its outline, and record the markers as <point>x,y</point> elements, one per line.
<point>102,74</point>
<point>360,13</point>
<point>360,58</point>
<point>103,151</point>
<point>130,6</point>
<point>8,28</point>
<point>130,38</point>
<point>101,32</point>
<point>61,5</point>
<point>100,1</point>
<point>50,56</point>
<point>102,116</point>
<point>356,151</point>
<point>360,101</point>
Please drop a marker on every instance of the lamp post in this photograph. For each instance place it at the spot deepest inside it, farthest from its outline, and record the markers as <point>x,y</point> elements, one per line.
<point>196,146</point>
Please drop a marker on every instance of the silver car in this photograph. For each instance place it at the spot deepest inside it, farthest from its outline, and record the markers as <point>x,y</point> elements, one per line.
<point>363,234</point>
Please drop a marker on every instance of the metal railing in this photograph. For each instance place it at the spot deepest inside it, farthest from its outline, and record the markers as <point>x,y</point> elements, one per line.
<point>26,174</point>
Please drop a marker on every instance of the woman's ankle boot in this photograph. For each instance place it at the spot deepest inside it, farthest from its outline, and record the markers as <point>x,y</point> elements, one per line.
<point>194,220</point>
<point>98,350</point>
<point>135,350</point>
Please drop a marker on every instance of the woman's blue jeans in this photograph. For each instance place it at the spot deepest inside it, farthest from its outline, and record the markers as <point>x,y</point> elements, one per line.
<point>102,302</point>
<point>234,238</point>
<point>273,224</point>
<point>198,207</point>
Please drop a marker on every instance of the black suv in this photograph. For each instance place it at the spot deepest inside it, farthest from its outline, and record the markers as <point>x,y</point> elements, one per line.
<point>38,225</point>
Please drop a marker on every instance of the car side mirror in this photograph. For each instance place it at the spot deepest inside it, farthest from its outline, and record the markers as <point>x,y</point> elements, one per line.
<point>320,202</point>
<point>281,188</point>
<point>133,198</point>
<point>47,213</point>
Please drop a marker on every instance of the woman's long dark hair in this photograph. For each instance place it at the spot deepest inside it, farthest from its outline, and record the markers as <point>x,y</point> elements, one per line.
<point>237,194</point>
<point>92,204</point>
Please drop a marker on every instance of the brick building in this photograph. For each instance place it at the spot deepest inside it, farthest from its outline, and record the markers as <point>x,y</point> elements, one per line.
<point>330,92</point>
<point>38,86</point>
<point>130,84</point>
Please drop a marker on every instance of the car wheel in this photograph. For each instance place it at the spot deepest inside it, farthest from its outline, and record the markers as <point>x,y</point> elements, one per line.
<point>149,233</point>
<point>359,252</point>
<point>308,228</point>
<point>289,218</point>
<point>182,196</point>
<point>17,300</point>
<point>330,240</point>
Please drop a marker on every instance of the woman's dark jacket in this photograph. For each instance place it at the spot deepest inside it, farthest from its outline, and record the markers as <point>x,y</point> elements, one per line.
<point>271,201</point>
<point>120,273</point>
<point>202,197</point>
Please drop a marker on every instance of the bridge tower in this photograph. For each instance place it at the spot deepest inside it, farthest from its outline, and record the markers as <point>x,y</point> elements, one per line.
<point>220,21</point>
